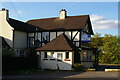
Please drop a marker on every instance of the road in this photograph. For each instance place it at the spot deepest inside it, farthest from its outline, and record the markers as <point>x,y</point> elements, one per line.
<point>66,75</point>
<point>102,67</point>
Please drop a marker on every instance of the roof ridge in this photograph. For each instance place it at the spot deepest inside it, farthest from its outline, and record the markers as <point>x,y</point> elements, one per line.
<point>22,26</point>
<point>55,18</point>
<point>42,19</point>
<point>56,24</point>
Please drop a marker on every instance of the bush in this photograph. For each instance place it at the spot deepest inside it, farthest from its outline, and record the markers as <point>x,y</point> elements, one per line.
<point>90,69</point>
<point>78,67</point>
<point>7,52</point>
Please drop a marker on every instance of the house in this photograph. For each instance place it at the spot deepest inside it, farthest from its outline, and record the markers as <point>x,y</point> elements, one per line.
<point>60,42</point>
<point>55,55</point>
<point>14,33</point>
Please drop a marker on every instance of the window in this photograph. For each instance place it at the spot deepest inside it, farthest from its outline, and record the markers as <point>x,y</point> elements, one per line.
<point>45,55</point>
<point>86,56</point>
<point>17,50</point>
<point>52,54</point>
<point>30,42</point>
<point>31,35</point>
<point>77,44</point>
<point>90,58</point>
<point>45,36</point>
<point>59,33</point>
<point>67,55</point>
<point>21,53</point>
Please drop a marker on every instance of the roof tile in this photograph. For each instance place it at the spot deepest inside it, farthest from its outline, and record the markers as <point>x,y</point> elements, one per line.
<point>61,43</point>
<point>70,22</point>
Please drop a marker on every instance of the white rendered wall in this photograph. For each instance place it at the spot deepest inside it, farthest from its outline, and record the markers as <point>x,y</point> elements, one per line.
<point>54,64</point>
<point>6,29</point>
<point>20,40</point>
<point>52,35</point>
<point>68,34</point>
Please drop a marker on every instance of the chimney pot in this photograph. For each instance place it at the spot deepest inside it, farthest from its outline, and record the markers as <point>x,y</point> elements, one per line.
<point>3,9</point>
<point>63,14</point>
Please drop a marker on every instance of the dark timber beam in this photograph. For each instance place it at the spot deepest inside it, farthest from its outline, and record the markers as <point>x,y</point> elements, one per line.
<point>27,40</point>
<point>34,39</point>
<point>63,32</point>
<point>80,39</point>
<point>71,35</point>
<point>49,36</point>
<point>56,33</point>
<point>37,35</point>
<point>75,35</point>
<point>13,38</point>
<point>41,39</point>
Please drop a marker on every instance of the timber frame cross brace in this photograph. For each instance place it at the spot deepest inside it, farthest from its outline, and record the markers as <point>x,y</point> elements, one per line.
<point>75,35</point>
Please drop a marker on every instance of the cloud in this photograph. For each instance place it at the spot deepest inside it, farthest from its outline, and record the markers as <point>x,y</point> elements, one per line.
<point>99,22</point>
<point>17,14</point>
<point>20,12</point>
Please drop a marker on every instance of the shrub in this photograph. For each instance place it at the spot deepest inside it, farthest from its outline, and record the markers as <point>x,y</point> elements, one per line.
<point>7,52</point>
<point>90,69</point>
<point>78,67</point>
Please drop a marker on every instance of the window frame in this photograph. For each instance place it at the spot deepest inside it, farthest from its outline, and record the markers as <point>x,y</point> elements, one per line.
<point>45,55</point>
<point>67,55</point>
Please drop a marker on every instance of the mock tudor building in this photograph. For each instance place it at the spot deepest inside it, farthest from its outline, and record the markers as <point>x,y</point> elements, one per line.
<point>14,33</point>
<point>60,42</point>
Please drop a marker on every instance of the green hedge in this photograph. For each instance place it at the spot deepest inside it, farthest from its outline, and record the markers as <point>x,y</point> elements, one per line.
<point>78,67</point>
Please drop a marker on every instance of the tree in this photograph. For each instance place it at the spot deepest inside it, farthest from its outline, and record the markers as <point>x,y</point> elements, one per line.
<point>96,41</point>
<point>109,46</point>
<point>110,51</point>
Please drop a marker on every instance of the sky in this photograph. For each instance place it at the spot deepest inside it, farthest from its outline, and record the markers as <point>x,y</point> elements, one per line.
<point>103,15</point>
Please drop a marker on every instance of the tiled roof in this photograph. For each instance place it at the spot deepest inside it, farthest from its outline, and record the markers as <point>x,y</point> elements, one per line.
<point>18,25</point>
<point>69,23</point>
<point>61,43</point>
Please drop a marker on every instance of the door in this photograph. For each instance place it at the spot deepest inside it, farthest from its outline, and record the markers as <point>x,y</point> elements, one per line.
<point>59,61</point>
<point>59,57</point>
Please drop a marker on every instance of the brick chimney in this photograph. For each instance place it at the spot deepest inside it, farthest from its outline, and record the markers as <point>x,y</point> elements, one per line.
<point>5,14</point>
<point>63,14</point>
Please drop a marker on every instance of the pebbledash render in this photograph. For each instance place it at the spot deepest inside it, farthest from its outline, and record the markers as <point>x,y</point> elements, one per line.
<point>60,41</point>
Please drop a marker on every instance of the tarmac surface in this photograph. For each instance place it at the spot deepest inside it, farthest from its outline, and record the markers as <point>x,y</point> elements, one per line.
<point>66,75</point>
<point>100,74</point>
